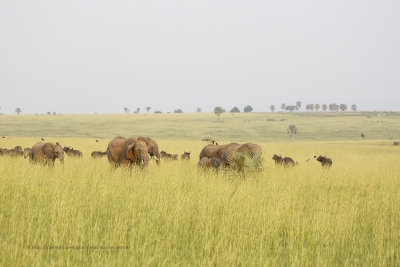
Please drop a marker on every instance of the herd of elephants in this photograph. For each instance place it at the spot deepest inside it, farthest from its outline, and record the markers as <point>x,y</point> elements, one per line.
<point>138,151</point>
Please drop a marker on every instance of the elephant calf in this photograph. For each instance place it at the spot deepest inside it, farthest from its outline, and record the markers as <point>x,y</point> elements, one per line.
<point>46,153</point>
<point>211,162</point>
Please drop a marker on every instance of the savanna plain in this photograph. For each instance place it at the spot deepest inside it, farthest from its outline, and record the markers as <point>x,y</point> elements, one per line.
<point>86,214</point>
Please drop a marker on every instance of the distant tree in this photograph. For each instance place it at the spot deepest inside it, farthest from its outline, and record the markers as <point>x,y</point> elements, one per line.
<point>18,111</point>
<point>218,110</point>
<point>290,108</point>
<point>198,110</point>
<point>178,110</point>
<point>157,111</point>
<point>126,110</point>
<point>354,107</point>
<point>148,109</point>
<point>333,107</point>
<point>343,107</point>
<point>48,113</point>
<point>308,107</point>
<point>312,107</point>
<point>317,107</point>
<point>54,113</point>
<point>248,109</point>
<point>283,106</point>
<point>137,111</point>
<point>292,131</point>
<point>235,110</point>
<point>298,105</point>
<point>324,107</point>
<point>272,108</point>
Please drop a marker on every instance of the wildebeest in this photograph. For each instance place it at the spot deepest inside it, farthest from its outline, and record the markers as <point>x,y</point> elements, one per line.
<point>286,161</point>
<point>164,154</point>
<point>185,155</point>
<point>27,151</point>
<point>325,161</point>
<point>72,152</point>
<point>15,152</point>
<point>98,154</point>
<point>211,162</point>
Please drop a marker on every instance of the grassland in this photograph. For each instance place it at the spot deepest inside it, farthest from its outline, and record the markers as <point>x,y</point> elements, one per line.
<point>175,214</point>
<point>258,127</point>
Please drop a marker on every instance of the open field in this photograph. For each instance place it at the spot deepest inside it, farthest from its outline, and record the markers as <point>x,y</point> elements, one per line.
<point>255,127</point>
<point>175,214</point>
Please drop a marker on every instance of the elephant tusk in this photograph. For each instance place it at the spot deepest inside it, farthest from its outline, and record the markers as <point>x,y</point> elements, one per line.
<point>156,157</point>
<point>142,161</point>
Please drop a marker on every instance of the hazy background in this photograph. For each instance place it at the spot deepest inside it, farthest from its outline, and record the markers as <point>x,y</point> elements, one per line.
<point>100,56</point>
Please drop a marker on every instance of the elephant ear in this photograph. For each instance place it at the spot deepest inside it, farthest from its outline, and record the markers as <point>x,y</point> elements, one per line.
<point>129,152</point>
<point>48,150</point>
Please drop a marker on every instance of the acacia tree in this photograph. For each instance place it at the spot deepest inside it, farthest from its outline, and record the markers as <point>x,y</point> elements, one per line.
<point>198,110</point>
<point>343,107</point>
<point>317,107</point>
<point>148,109</point>
<point>218,111</point>
<point>272,108</point>
<point>248,109</point>
<point>333,107</point>
<point>283,106</point>
<point>235,110</point>
<point>324,107</point>
<point>18,111</point>
<point>137,111</point>
<point>126,110</point>
<point>354,107</point>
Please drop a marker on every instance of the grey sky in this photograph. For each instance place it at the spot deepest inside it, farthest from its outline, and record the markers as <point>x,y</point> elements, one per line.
<point>86,56</point>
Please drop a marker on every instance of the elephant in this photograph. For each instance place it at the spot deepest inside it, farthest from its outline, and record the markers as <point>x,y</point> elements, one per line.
<point>207,162</point>
<point>98,154</point>
<point>46,153</point>
<point>126,152</point>
<point>212,150</point>
<point>152,147</point>
<point>325,162</point>
<point>248,149</point>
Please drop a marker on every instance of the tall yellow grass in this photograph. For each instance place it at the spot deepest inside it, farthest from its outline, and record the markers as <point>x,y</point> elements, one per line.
<point>175,214</point>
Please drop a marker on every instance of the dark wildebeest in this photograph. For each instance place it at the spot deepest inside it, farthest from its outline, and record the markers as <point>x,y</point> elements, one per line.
<point>185,155</point>
<point>72,152</point>
<point>286,161</point>
<point>15,152</point>
<point>211,162</point>
<point>98,154</point>
<point>325,162</point>
<point>26,152</point>
<point>166,155</point>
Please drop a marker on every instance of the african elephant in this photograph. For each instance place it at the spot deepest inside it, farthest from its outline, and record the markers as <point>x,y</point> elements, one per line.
<point>207,162</point>
<point>152,147</point>
<point>46,153</point>
<point>126,152</point>
<point>212,151</point>
<point>248,149</point>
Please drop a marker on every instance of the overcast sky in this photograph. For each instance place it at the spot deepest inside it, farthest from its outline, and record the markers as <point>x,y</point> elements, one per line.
<point>100,56</point>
